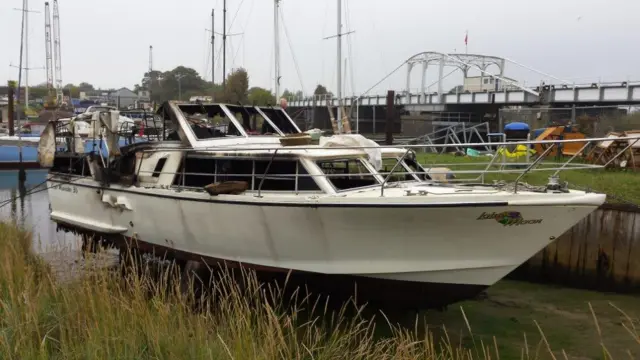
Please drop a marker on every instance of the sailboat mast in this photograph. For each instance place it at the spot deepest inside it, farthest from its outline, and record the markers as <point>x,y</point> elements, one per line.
<point>25,8</point>
<point>213,49</point>
<point>224,44</point>
<point>339,64</point>
<point>276,45</point>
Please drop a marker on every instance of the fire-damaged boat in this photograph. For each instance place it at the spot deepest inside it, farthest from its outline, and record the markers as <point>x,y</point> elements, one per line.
<point>243,186</point>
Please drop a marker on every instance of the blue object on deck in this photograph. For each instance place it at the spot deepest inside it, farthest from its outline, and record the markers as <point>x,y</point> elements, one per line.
<point>516,126</point>
<point>9,153</point>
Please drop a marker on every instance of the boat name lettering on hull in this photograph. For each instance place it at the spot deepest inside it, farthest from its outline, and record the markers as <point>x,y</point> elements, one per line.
<point>508,218</point>
<point>67,188</point>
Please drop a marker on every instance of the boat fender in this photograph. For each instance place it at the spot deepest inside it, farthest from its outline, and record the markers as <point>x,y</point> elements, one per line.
<point>123,204</point>
<point>47,146</point>
<point>109,200</point>
<point>440,174</point>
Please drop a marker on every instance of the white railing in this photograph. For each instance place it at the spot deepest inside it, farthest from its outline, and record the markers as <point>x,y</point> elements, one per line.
<point>496,164</point>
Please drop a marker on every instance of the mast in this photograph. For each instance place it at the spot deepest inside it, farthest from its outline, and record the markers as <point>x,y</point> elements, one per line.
<point>213,48</point>
<point>57,53</point>
<point>339,115</point>
<point>47,43</point>
<point>21,172</point>
<point>25,8</point>
<point>276,44</point>
<point>224,44</point>
<point>150,59</point>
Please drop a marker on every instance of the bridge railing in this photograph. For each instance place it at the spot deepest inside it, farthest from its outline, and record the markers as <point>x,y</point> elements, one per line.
<point>407,97</point>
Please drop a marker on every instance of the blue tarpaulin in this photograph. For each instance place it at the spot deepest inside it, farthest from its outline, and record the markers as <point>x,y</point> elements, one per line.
<point>516,126</point>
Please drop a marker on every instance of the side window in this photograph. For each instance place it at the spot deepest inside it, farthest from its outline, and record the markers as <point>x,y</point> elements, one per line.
<point>234,170</point>
<point>399,174</point>
<point>282,176</point>
<point>195,172</point>
<point>199,172</point>
<point>347,174</point>
<point>305,181</point>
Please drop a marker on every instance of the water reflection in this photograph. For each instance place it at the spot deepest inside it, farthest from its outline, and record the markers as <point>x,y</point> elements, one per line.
<point>32,210</point>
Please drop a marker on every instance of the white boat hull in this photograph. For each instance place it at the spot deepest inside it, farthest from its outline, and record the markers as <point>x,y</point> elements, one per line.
<point>435,243</point>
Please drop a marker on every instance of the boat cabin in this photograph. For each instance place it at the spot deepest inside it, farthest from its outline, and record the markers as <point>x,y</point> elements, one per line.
<point>209,144</point>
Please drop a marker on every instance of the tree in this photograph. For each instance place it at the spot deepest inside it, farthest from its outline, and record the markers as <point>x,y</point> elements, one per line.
<point>237,87</point>
<point>321,90</point>
<point>170,85</point>
<point>84,86</point>
<point>260,96</point>
<point>74,91</point>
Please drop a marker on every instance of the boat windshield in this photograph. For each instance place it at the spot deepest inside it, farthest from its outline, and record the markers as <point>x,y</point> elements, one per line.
<point>345,174</point>
<point>402,172</point>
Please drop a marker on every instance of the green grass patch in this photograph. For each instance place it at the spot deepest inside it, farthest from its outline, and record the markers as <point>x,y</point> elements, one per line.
<point>99,314</point>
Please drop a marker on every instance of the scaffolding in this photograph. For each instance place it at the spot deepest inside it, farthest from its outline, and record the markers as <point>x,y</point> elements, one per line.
<point>455,135</point>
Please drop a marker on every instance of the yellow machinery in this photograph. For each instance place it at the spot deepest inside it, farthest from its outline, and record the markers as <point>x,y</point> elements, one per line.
<point>568,132</point>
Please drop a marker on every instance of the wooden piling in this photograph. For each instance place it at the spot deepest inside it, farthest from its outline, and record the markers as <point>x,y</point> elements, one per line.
<point>11,107</point>
<point>390,117</point>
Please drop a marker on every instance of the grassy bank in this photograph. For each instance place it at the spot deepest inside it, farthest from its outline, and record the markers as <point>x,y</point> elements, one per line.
<point>620,183</point>
<point>101,315</point>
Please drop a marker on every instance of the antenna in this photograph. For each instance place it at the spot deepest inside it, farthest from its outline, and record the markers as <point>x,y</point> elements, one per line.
<point>57,53</point>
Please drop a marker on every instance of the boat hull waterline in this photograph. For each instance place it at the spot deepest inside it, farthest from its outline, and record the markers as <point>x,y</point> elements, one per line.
<point>466,244</point>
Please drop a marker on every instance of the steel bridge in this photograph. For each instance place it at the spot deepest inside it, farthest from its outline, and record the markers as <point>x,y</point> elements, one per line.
<point>501,91</point>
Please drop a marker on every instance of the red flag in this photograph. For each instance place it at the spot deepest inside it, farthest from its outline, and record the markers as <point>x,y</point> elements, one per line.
<point>141,132</point>
<point>466,37</point>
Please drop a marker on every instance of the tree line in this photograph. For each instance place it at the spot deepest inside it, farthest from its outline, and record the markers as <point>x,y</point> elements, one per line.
<point>183,83</point>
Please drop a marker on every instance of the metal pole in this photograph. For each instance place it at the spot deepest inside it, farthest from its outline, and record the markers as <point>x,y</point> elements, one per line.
<point>339,112</point>
<point>358,116</point>
<point>224,44</point>
<point>21,173</point>
<point>213,48</point>
<point>26,53</point>
<point>276,44</point>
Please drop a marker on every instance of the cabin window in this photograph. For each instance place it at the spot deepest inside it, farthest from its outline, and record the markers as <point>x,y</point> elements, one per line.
<point>159,167</point>
<point>234,170</point>
<point>280,120</point>
<point>400,173</point>
<point>347,173</point>
<point>417,169</point>
<point>485,80</point>
<point>252,121</point>
<point>282,176</point>
<point>199,172</point>
<point>208,121</point>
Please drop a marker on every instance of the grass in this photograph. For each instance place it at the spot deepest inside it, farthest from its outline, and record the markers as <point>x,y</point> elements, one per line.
<point>621,184</point>
<point>100,314</point>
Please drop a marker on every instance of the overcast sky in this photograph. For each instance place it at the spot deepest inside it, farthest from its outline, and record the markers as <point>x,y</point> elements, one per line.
<point>106,43</point>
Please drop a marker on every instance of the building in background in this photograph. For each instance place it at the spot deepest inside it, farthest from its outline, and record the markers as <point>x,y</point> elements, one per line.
<point>122,98</point>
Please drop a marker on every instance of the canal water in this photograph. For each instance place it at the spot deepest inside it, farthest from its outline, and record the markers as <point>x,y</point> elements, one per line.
<point>32,211</point>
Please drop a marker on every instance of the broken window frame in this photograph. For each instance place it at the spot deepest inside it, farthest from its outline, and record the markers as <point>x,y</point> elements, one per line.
<point>193,140</point>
